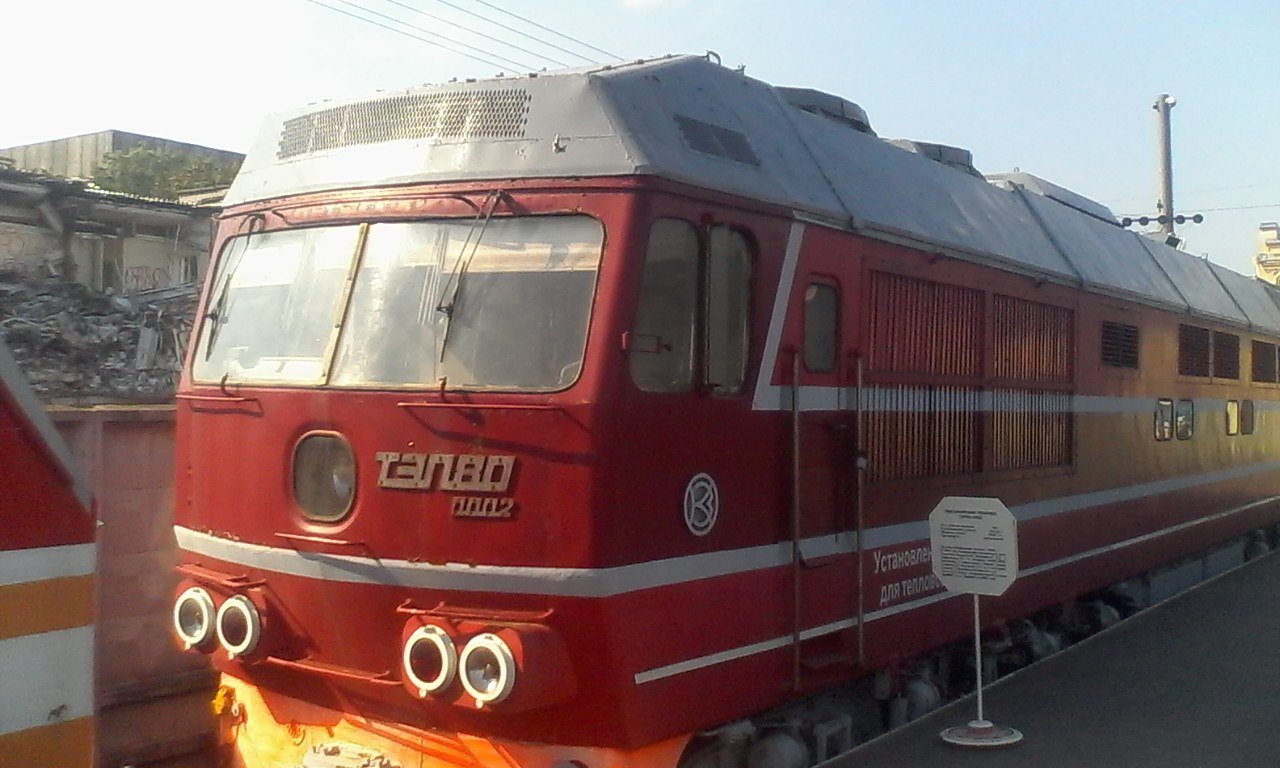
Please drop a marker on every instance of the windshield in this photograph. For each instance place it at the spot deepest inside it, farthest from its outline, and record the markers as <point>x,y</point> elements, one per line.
<point>499,304</point>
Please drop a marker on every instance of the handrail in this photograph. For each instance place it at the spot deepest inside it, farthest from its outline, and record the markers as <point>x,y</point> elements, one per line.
<point>446,611</point>
<point>796,558</point>
<point>331,670</point>
<point>216,398</point>
<point>223,580</point>
<point>860,480</point>
<point>320,539</point>
<point>482,406</point>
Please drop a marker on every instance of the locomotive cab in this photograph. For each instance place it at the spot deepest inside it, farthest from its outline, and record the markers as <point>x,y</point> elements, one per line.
<point>450,416</point>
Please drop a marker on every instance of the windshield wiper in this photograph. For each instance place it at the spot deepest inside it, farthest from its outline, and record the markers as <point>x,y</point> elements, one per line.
<point>215,316</point>
<point>453,285</point>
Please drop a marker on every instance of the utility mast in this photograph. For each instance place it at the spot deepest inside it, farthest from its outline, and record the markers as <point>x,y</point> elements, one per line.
<point>1162,107</point>
<point>1165,216</point>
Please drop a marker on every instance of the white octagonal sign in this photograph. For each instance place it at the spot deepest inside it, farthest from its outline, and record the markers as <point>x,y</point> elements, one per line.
<point>974,544</point>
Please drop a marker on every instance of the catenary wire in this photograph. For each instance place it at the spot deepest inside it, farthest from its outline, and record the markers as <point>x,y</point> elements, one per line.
<point>1240,207</point>
<point>1211,210</point>
<point>522,33</point>
<point>366,9</point>
<point>476,32</point>
<point>1198,191</point>
<point>406,34</point>
<point>549,29</point>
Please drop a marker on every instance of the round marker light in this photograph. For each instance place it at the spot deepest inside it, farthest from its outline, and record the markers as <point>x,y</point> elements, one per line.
<point>429,660</point>
<point>193,615</point>
<point>239,626</point>
<point>488,669</point>
<point>324,476</point>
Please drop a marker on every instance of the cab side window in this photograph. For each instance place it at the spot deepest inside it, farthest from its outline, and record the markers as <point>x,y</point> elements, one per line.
<point>661,345</point>
<point>728,298</point>
<point>693,320</point>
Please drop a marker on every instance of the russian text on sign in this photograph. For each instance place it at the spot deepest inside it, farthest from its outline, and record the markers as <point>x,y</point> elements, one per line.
<point>973,542</point>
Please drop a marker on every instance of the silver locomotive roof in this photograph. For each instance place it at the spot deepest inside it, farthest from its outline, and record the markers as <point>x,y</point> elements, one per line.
<point>690,120</point>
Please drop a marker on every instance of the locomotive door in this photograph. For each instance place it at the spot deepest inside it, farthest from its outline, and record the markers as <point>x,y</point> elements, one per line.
<point>826,438</point>
<point>824,435</point>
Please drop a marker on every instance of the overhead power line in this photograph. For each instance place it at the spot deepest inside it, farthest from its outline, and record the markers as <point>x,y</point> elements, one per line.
<point>522,33</point>
<point>1215,210</point>
<point>1241,207</point>
<point>468,46</point>
<point>547,29</point>
<point>399,31</point>
<point>1198,191</point>
<point>478,33</point>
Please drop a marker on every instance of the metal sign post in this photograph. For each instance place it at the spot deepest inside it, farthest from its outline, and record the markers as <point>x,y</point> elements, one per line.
<point>974,547</point>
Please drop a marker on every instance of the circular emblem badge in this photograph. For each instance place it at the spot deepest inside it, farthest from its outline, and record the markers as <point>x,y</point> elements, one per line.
<point>701,504</point>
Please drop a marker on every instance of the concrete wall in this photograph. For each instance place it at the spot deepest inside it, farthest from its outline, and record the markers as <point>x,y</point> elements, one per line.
<point>29,250</point>
<point>136,263</point>
<point>78,157</point>
<point>153,699</point>
<point>153,262</point>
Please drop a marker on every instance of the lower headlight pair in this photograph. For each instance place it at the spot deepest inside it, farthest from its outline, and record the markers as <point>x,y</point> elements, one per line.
<point>486,667</point>
<point>236,623</point>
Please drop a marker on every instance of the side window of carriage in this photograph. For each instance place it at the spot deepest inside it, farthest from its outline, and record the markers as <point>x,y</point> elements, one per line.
<point>821,325</point>
<point>1184,420</point>
<point>692,322</point>
<point>1164,420</point>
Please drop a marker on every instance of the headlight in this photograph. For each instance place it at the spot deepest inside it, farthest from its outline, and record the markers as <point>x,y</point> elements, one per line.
<point>324,476</point>
<point>193,614</point>
<point>239,626</point>
<point>429,660</point>
<point>488,669</point>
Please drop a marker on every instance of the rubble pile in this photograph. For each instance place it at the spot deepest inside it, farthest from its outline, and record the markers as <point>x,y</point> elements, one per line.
<point>79,346</point>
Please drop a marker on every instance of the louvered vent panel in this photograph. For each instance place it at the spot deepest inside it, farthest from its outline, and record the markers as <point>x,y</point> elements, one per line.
<point>1264,361</point>
<point>923,432</point>
<point>919,326</point>
<point>1226,355</point>
<point>1193,350</point>
<point>495,113</point>
<point>1031,429</point>
<point>1120,344</point>
<point>711,139</point>
<point>1033,341</point>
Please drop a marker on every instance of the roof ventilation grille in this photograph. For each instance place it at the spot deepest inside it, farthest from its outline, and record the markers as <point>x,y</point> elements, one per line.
<point>712,139</point>
<point>494,113</point>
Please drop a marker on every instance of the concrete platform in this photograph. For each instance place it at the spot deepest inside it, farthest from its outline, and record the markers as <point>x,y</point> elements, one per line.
<point>1193,682</point>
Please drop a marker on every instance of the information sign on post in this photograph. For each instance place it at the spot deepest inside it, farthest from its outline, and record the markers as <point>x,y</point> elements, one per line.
<point>974,543</point>
<point>974,546</point>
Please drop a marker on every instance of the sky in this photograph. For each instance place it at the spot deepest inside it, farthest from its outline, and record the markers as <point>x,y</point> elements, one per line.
<point>1063,90</point>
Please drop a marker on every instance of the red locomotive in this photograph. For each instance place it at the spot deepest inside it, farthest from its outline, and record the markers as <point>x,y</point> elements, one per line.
<point>593,419</point>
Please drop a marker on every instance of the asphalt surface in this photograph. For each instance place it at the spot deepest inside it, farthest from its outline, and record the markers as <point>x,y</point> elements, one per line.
<point>1194,681</point>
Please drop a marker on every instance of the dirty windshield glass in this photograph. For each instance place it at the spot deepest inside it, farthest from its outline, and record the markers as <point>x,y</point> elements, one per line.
<point>502,304</point>
<point>274,303</point>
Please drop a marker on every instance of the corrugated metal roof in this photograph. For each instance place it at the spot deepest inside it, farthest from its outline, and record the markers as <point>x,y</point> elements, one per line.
<point>87,189</point>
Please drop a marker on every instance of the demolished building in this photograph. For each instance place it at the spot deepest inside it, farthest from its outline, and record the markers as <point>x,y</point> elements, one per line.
<point>108,241</point>
<point>97,288</point>
<point>81,347</point>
